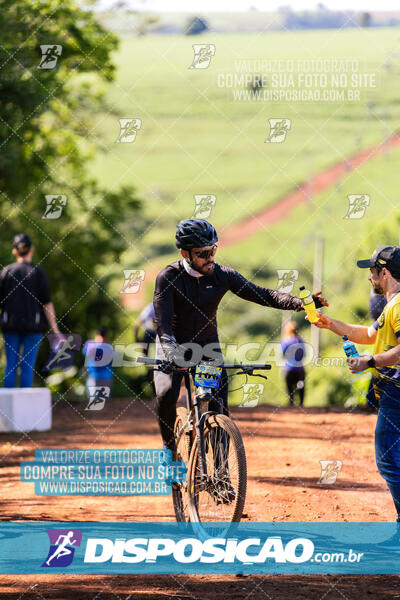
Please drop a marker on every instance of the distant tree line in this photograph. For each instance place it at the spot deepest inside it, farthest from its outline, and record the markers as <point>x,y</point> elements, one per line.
<point>322,18</point>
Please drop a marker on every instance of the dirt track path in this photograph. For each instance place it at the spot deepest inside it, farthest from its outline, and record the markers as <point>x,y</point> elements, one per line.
<point>281,208</point>
<point>283,446</point>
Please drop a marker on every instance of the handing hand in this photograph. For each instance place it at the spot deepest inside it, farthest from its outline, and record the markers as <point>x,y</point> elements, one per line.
<point>319,300</point>
<point>323,321</point>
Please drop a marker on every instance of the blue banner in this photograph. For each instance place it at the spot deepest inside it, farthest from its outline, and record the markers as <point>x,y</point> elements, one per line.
<point>209,548</point>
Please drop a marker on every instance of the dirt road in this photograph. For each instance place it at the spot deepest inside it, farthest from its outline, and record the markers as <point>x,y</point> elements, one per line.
<point>280,209</point>
<point>284,447</point>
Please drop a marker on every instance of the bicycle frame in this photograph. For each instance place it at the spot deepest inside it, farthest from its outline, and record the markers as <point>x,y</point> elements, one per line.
<point>196,418</point>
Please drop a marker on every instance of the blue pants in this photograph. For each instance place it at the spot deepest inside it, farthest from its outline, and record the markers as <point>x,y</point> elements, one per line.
<point>387,451</point>
<point>30,346</point>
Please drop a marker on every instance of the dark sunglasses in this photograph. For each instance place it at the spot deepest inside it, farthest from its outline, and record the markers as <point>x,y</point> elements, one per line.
<point>206,253</point>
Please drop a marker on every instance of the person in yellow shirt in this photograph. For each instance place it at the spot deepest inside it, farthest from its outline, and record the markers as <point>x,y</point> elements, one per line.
<point>384,276</point>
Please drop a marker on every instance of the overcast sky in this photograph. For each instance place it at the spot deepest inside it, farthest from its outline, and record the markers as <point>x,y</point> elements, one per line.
<point>204,6</point>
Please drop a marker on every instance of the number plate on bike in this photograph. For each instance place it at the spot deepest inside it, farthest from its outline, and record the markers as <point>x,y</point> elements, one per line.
<point>207,376</point>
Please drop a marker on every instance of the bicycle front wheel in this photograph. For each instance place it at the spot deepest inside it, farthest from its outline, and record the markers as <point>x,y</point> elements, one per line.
<point>221,494</point>
<point>182,438</point>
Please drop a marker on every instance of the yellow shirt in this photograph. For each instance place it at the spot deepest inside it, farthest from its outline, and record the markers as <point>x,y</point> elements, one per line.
<point>387,326</point>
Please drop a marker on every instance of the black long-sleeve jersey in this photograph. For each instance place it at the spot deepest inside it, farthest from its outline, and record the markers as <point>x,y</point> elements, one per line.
<point>186,306</point>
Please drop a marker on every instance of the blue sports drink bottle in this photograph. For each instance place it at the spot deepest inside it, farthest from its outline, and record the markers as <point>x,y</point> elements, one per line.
<point>350,349</point>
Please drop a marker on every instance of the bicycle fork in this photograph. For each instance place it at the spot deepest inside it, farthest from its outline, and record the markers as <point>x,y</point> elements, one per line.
<point>199,430</point>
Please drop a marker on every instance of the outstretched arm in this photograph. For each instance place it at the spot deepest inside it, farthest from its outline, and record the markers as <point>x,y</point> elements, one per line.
<point>247,290</point>
<point>356,333</point>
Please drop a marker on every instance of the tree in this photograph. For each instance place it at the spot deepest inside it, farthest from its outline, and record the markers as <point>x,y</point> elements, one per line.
<point>46,120</point>
<point>195,25</point>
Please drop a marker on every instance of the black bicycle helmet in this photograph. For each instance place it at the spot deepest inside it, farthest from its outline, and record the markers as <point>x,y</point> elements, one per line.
<point>195,233</point>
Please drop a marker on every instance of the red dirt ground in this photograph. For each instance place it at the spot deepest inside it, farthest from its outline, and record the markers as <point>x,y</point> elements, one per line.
<point>283,446</point>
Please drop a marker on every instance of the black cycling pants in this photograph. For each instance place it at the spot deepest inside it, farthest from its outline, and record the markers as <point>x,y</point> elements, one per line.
<point>295,382</point>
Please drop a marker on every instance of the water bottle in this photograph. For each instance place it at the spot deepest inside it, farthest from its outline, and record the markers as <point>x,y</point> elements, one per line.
<point>350,349</point>
<point>308,304</point>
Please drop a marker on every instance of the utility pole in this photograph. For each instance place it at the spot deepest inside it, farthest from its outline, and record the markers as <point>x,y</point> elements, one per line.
<point>286,317</point>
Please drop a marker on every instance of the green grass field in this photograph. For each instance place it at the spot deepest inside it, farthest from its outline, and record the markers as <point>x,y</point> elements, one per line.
<point>196,139</point>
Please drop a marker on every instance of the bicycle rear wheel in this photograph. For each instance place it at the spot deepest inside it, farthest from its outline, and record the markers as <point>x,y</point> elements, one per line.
<point>179,490</point>
<point>222,495</point>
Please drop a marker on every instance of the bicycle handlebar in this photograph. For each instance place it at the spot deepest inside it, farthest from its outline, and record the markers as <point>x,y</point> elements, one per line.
<point>264,367</point>
<point>246,367</point>
<point>149,361</point>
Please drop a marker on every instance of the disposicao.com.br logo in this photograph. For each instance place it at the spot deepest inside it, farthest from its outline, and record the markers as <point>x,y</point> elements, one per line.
<point>190,550</point>
<point>247,551</point>
<point>207,548</point>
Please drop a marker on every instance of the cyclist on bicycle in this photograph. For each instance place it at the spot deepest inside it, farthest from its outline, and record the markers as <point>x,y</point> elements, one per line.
<point>186,298</point>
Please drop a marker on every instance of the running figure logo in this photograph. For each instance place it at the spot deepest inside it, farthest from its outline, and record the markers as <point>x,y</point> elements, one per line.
<point>287,279</point>
<point>252,393</point>
<point>133,281</point>
<point>204,203</point>
<point>203,54</point>
<point>329,471</point>
<point>54,205</point>
<point>50,55</point>
<point>278,129</point>
<point>357,206</point>
<point>97,397</point>
<point>62,547</point>
<point>128,130</point>
<point>62,351</point>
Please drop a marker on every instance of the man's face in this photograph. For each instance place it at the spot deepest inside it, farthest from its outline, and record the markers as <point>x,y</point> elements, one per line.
<point>377,279</point>
<point>27,257</point>
<point>202,258</point>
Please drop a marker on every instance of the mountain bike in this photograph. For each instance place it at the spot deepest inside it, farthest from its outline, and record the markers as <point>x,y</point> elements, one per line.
<point>210,444</point>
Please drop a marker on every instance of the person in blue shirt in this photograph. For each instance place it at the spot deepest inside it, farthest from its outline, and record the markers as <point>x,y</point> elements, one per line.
<point>293,351</point>
<point>98,376</point>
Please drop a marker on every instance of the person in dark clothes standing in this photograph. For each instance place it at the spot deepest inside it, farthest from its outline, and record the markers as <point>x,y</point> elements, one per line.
<point>26,311</point>
<point>293,351</point>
